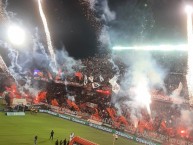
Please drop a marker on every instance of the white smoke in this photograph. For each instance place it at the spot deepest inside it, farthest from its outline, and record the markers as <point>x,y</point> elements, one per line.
<point>143,75</point>
<point>104,36</point>
<point>67,63</point>
<point>177,91</point>
<point>143,66</point>
<point>187,118</point>
<point>114,66</point>
<point>104,15</point>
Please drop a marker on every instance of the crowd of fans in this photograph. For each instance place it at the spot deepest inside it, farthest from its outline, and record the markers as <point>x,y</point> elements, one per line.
<point>96,103</point>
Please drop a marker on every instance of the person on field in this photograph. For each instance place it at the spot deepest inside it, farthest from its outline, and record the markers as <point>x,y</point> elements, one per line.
<point>71,136</point>
<point>61,142</point>
<point>35,139</point>
<point>67,143</point>
<point>64,142</point>
<point>52,134</point>
<point>56,143</point>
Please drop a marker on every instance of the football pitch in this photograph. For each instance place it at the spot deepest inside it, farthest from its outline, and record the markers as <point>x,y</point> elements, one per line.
<point>20,130</point>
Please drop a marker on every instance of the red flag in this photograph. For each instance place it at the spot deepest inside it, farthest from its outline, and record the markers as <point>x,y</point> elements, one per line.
<point>41,96</point>
<point>163,124</point>
<point>75,106</point>
<point>105,92</point>
<point>123,120</point>
<point>79,75</point>
<point>54,102</point>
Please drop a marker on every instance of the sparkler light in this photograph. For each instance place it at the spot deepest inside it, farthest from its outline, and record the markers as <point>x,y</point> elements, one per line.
<point>143,96</point>
<point>48,36</point>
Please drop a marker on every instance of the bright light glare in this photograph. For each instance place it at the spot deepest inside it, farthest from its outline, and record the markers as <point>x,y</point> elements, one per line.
<point>16,35</point>
<point>149,48</point>
<point>143,96</point>
<point>188,9</point>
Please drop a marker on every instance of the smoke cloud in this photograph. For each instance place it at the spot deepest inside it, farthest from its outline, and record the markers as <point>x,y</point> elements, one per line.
<point>186,119</point>
<point>143,75</point>
<point>104,15</point>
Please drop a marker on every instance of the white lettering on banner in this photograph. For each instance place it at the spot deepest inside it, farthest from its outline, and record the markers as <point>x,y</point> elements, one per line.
<point>43,111</point>
<point>100,127</point>
<point>15,113</point>
<point>53,113</point>
<point>144,141</point>
<point>78,121</point>
<point>64,117</point>
<point>95,122</point>
<point>123,135</point>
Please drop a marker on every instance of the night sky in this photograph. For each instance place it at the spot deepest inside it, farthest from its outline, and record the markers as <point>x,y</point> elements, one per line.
<point>141,22</point>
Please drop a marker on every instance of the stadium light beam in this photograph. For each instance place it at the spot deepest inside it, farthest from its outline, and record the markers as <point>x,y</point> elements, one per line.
<point>183,47</point>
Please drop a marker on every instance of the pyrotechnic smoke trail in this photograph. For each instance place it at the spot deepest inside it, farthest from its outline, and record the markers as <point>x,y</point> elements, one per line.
<point>190,52</point>
<point>3,66</point>
<point>48,37</point>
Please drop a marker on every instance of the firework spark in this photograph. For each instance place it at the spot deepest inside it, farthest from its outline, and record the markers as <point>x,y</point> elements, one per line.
<point>143,96</point>
<point>190,51</point>
<point>48,36</point>
<point>89,12</point>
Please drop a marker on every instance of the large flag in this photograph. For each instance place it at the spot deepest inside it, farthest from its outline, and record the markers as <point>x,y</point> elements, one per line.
<point>85,80</point>
<point>95,85</point>
<point>116,88</point>
<point>91,78</point>
<point>54,102</point>
<point>101,78</point>
<point>113,80</point>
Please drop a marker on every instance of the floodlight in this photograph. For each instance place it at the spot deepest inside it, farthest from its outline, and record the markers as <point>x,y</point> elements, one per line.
<point>188,9</point>
<point>16,34</point>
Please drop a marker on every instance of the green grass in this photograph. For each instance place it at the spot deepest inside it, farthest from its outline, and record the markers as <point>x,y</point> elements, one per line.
<point>20,130</point>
